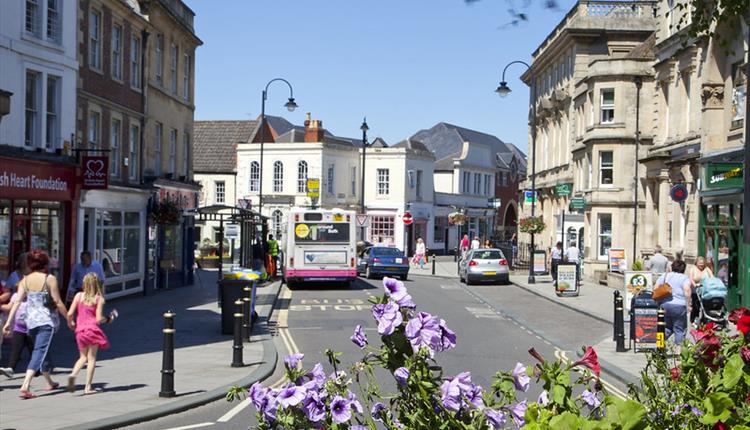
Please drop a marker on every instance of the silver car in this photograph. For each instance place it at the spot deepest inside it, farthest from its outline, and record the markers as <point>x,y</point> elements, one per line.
<point>484,265</point>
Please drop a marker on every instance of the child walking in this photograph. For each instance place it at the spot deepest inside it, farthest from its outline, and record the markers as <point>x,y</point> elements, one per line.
<point>89,307</point>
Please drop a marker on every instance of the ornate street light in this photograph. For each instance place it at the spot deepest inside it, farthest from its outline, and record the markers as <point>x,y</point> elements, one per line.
<point>291,105</point>
<point>364,127</point>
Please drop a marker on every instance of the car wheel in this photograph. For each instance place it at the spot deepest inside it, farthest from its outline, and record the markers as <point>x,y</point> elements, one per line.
<point>368,273</point>
<point>468,282</point>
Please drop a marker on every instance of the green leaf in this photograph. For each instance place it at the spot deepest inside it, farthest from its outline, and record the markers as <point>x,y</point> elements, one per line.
<point>732,371</point>
<point>565,421</point>
<point>718,408</point>
<point>558,395</point>
<point>626,414</point>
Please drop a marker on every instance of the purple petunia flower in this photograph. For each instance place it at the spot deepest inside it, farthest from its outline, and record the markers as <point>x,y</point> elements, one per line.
<point>358,427</point>
<point>697,412</point>
<point>447,336</point>
<point>341,410</point>
<point>314,407</point>
<point>495,418</point>
<point>592,401</point>
<point>450,395</point>
<point>543,398</point>
<point>424,331</point>
<point>291,395</point>
<point>377,411</point>
<point>388,317</point>
<point>317,375</point>
<point>257,395</point>
<point>402,375</point>
<point>475,397</point>
<point>269,406</point>
<point>396,291</point>
<point>359,338</point>
<point>517,412</point>
<point>354,402</point>
<point>464,381</point>
<point>521,378</point>
<point>292,361</point>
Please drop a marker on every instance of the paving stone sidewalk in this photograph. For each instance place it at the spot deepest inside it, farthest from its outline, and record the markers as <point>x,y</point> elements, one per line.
<point>129,372</point>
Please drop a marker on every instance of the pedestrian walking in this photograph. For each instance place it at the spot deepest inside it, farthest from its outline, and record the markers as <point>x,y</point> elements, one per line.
<point>19,338</point>
<point>514,248</point>
<point>678,305</point>
<point>699,272</point>
<point>86,266</point>
<point>487,243</point>
<point>464,244</point>
<point>475,243</point>
<point>43,295</point>
<point>272,252</point>
<point>88,308</point>
<point>556,256</point>
<point>419,253</point>
<point>572,256</point>
<point>658,263</point>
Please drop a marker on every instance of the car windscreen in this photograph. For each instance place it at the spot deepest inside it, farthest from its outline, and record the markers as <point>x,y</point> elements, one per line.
<point>387,252</point>
<point>487,255</point>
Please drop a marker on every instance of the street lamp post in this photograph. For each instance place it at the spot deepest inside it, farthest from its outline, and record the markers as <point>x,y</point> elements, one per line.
<point>638,84</point>
<point>291,106</point>
<point>503,90</point>
<point>364,129</point>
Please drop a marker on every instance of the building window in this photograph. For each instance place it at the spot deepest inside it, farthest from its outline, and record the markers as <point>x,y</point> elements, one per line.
<point>739,95</point>
<point>157,148</point>
<point>302,177</point>
<point>135,137</point>
<point>220,190</point>
<point>173,66</point>
<point>276,218</point>
<point>466,184</point>
<point>94,129</point>
<point>95,40</point>
<point>605,234</point>
<point>487,184</point>
<point>160,59</point>
<point>419,184</point>
<point>32,17</point>
<point>254,176</point>
<point>115,142</point>
<point>135,62</point>
<point>608,106</point>
<point>117,52</point>
<point>383,183</point>
<point>589,176</point>
<point>382,228</point>
<point>53,110</point>
<point>186,154</point>
<point>278,177</point>
<point>354,180</point>
<point>441,223</point>
<point>53,20</point>
<point>606,168</point>
<point>172,151</point>
<point>186,77</point>
<point>118,248</point>
<point>477,183</point>
<point>330,179</point>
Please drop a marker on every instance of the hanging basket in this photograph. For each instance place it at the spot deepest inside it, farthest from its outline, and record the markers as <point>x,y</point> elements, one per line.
<point>456,218</point>
<point>166,212</point>
<point>531,225</point>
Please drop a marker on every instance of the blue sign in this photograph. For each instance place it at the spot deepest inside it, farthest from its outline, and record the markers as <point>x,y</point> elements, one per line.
<point>679,193</point>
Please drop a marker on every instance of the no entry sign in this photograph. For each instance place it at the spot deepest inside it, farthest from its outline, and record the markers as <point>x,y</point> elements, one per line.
<point>407,218</point>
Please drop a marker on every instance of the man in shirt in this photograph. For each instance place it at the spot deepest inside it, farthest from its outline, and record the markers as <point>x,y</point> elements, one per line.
<point>86,266</point>
<point>271,255</point>
<point>475,243</point>
<point>658,263</point>
<point>571,256</point>
<point>557,255</point>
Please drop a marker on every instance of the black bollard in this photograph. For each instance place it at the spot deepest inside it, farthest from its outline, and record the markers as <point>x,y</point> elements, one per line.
<point>433,264</point>
<point>614,314</point>
<point>237,347</point>
<point>619,325</point>
<point>247,325</point>
<point>455,255</point>
<point>167,361</point>
<point>661,328</point>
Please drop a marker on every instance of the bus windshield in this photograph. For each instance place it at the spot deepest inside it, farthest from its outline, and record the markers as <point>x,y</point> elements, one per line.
<point>314,232</point>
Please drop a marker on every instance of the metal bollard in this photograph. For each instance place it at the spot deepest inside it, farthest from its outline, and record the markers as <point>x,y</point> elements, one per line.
<point>455,256</point>
<point>616,294</point>
<point>619,325</point>
<point>237,347</point>
<point>433,264</point>
<point>247,325</point>
<point>167,361</point>
<point>661,328</point>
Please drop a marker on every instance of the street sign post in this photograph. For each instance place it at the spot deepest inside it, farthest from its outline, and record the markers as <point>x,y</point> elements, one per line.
<point>363,220</point>
<point>313,187</point>
<point>231,231</point>
<point>407,218</point>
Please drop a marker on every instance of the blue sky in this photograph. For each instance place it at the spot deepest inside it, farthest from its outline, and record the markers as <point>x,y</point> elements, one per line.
<point>406,64</point>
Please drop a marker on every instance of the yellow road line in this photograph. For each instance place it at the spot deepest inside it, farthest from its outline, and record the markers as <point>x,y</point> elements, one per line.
<point>562,355</point>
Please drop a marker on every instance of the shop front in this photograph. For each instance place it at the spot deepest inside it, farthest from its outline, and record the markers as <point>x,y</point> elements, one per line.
<point>38,210</point>
<point>721,238</point>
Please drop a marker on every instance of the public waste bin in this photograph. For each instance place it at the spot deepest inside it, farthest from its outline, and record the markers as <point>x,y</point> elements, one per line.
<point>643,318</point>
<point>232,289</point>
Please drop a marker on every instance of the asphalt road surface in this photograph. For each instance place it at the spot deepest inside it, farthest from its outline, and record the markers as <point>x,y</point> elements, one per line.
<point>495,327</point>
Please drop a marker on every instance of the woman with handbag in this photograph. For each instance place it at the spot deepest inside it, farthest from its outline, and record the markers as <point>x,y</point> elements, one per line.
<point>673,293</point>
<point>43,302</point>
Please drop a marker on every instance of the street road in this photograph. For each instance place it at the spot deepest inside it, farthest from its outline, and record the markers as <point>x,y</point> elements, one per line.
<point>495,327</point>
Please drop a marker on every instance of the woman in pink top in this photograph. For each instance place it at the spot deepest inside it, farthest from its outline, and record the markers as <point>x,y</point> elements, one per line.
<point>89,306</point>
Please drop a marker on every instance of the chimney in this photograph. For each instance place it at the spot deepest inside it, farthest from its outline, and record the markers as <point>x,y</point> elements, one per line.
<point>314,131</point>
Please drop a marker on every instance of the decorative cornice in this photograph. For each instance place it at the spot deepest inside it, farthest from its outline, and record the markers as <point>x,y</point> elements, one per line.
<point>712,95</point>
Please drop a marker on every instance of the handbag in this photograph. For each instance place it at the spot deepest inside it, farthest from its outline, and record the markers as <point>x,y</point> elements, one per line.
<point>663,291</point>
<point>47,299</point>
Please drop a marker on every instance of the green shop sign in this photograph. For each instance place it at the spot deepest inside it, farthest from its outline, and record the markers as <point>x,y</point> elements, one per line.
<point>577,203</point>
<point>563,190</point>
<point>723,175</point>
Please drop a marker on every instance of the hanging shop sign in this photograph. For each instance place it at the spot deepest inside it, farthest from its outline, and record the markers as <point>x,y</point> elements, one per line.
<point>679,193</point>
<point>27,179</point>
<point>528,197</point>
<point>563,190</point>
<point>723,175</point>
<point>617,262</point>
<point>95,173</point>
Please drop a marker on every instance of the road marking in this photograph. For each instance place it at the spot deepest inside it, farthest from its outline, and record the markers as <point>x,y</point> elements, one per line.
<point>450,287</point>
<point>483,313</point>
<point>192,426</point>
<point>234,411</point>
<point>283,320</point>
<point>328,308</point>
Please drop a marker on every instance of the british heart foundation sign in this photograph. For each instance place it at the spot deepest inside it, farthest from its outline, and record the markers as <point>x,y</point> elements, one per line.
<point>95,173</point>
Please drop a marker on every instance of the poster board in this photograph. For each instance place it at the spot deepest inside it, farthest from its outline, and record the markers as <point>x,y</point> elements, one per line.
<point>567,279</point>
<point>634,283</point>
<point>539,261</point>
<point>617,261</point>
<point>644,321</point>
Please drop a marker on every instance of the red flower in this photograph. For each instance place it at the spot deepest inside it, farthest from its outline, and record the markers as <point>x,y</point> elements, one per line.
<point>589,360</point>
<point>719,426</point>
<point>708,346</point>
<point>534,353</point>
<point>736,314</point>
<point>675,373</point>
<point>745,354</point>
<point>743,324</point>
<point>708,327</point>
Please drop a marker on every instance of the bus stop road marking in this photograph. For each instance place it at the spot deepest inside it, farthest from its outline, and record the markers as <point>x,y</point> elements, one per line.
<point>328,308</point>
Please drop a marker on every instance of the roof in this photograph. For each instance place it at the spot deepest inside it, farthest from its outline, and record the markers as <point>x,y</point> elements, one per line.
<point>411,144</point>
<point>215,144</point>
<point>645,50</point>
<point>379,143</point>
<point>446,163</point>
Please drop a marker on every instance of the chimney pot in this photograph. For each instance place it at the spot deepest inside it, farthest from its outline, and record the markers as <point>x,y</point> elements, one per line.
<point>314,131</point>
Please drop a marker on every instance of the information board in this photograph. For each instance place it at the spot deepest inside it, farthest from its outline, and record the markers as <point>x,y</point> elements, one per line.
<point>644,320</point>
<point>567,279</point>
<point>617,261</point>
<point>539,261</point>
<point>635,282</point>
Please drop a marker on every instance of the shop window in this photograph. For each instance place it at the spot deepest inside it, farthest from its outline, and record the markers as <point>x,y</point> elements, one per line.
<point>441,222</point>
<point>172,252</point>
<point>382,228</point>
<point>5,239</point>
<point>608,106</point>
<point>605,234</point>
<point>606,168</point>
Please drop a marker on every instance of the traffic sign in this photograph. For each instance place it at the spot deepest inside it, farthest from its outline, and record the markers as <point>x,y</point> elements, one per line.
<point>363,220</point>
<point>679,193</point>
<point>407,218</point>
<point>313,187</point>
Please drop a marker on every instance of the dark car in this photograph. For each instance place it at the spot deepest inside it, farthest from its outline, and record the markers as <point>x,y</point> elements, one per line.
<point>383,261</point>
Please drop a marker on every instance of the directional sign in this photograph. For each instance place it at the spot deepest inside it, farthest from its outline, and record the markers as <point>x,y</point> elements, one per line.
<point>363,220</point>
<point>407,218</point>
<point>313,187</point>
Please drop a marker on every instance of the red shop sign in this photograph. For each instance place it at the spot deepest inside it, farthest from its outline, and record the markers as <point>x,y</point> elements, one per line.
<point>36,180</point>
<point>95,173</point>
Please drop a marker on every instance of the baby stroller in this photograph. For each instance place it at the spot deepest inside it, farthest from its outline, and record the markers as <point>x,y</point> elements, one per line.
<point>712,296</point>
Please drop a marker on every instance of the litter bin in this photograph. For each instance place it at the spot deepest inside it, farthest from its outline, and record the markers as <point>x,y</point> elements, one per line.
<point>232,289</point>
<point>643,318</point>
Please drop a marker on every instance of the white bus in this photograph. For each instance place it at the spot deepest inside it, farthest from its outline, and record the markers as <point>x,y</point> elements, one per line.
<point>320,246</point>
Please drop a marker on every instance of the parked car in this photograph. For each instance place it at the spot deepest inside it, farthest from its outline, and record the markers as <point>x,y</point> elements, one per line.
<point>484,265</point>
<point>383,261</point>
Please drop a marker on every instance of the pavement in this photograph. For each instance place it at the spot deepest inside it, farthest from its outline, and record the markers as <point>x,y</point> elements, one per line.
<point>594,301</point>
<point>128,374</point>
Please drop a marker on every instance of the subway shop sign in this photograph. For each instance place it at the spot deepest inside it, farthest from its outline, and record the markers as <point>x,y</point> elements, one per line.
<point>723,175</point>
